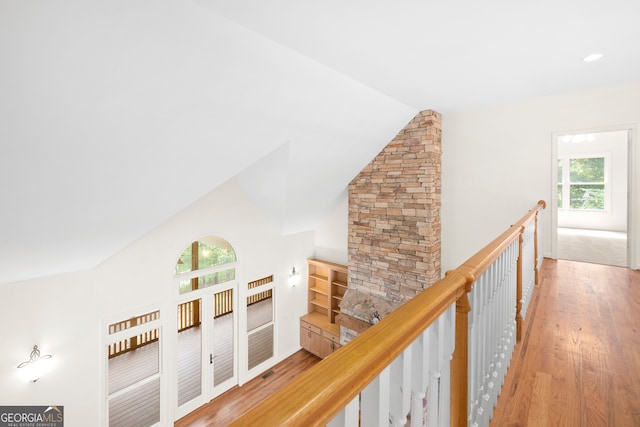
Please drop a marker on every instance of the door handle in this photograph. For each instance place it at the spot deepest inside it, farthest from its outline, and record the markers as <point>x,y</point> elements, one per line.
<point>211,358</point>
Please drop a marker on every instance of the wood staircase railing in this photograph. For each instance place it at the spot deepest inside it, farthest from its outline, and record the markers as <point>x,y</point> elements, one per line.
<point>387,371</point>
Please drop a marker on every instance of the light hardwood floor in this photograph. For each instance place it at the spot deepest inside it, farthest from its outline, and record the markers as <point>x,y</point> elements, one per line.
<point>579,361</point>
<point>577,365</point>
<point>230,405</point>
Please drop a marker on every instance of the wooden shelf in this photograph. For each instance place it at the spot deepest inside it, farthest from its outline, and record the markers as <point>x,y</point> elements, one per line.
<point>326,285</point>
<point>319,290</point>
<point>320,303</point>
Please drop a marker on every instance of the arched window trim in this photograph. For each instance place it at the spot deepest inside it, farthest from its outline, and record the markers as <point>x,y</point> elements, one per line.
<point>211,241</point>
<point>205,271</point>
<point>200,273</point>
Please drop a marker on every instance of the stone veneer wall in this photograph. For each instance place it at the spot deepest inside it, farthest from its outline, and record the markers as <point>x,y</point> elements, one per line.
<point>394,221</point>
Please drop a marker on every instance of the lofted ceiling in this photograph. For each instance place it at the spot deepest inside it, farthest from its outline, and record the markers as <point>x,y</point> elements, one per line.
<point>116,115</point>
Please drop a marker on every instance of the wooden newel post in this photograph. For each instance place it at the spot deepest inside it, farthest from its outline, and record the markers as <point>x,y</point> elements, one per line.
<point>460,363</point>
<point>519,287</point>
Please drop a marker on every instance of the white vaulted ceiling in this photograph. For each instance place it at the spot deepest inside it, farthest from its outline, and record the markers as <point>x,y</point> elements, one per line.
<point>115,115</point>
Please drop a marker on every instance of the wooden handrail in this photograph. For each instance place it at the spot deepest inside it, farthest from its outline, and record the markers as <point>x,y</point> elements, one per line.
<point>481,260</point>
<point>317,395</point>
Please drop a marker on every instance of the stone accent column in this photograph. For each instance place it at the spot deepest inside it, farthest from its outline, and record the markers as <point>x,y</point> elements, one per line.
<point>394,221</point>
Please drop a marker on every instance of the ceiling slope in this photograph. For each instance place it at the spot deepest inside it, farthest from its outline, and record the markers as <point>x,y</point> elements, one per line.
<point>117,115</point>
<point>455,55</point>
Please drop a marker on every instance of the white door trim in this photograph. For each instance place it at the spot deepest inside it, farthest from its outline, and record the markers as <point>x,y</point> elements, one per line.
<point>633,199</point>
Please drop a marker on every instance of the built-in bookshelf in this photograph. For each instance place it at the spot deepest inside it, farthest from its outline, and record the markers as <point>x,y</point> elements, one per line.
<point>327,283</point>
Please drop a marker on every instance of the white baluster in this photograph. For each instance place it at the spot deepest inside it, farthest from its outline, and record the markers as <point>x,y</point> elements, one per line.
<point>406,388</point>
<point>433,403</point>
<point>436,334</point>
<point>349,415</point>
<point>419,378</point>
<point>417,409</point>
<point>375,401</point>
<point>444,405</point>
<point>400,388</point>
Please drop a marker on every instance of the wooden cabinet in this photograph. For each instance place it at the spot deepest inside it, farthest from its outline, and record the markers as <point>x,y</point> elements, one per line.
<point>330,343</point>
<point>311,338</point>
<point>318,336</point>
<point>327,283</point>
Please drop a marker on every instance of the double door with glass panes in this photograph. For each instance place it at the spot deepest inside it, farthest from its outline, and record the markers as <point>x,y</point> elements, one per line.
<point>207,343</point>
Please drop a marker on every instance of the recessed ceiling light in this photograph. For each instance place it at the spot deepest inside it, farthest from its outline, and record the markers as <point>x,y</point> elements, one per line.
<point>592,57</point>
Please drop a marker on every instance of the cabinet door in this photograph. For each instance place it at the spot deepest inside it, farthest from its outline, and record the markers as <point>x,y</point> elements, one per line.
<point>310,341</point>
<point>326,347</point>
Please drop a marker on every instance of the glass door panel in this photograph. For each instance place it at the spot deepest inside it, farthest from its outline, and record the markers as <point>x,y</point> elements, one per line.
<point>189,351</point>
<point>223,352</point>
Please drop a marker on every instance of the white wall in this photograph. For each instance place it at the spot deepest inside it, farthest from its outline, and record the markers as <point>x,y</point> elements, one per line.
<point>332,235</point>
<point>614,217</point>
<point>497,162</point>
<point>64,314</point>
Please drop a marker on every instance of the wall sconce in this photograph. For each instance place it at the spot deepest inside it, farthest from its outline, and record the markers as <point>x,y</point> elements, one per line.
<point>294,277</point>
<point>36,366</point>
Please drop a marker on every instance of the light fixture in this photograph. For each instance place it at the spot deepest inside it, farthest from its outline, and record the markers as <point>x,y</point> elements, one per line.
<point>592,57</point>
<point>578,138</point>
<point>294,277</point>
<point>36,366</point>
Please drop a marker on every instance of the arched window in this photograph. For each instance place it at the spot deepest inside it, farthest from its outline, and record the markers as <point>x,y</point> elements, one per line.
<point>206,262</point>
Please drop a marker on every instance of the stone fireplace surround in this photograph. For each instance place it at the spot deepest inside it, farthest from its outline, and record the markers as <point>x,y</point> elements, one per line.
<point>394,225</point>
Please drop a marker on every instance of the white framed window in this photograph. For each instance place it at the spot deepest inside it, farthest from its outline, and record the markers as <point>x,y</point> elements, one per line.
<point>206,262</point>
<point>133,353</point>
<point>583,182</point>
<point>260,321</point>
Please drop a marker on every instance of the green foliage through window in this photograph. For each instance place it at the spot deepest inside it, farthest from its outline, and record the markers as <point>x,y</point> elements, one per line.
<point>584,180</point>
<point>205,253</point>
<point>587,169</point>
<point>585,196</point>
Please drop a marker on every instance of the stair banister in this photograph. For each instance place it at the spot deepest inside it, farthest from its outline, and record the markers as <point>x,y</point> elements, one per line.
<point>331,387</point>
